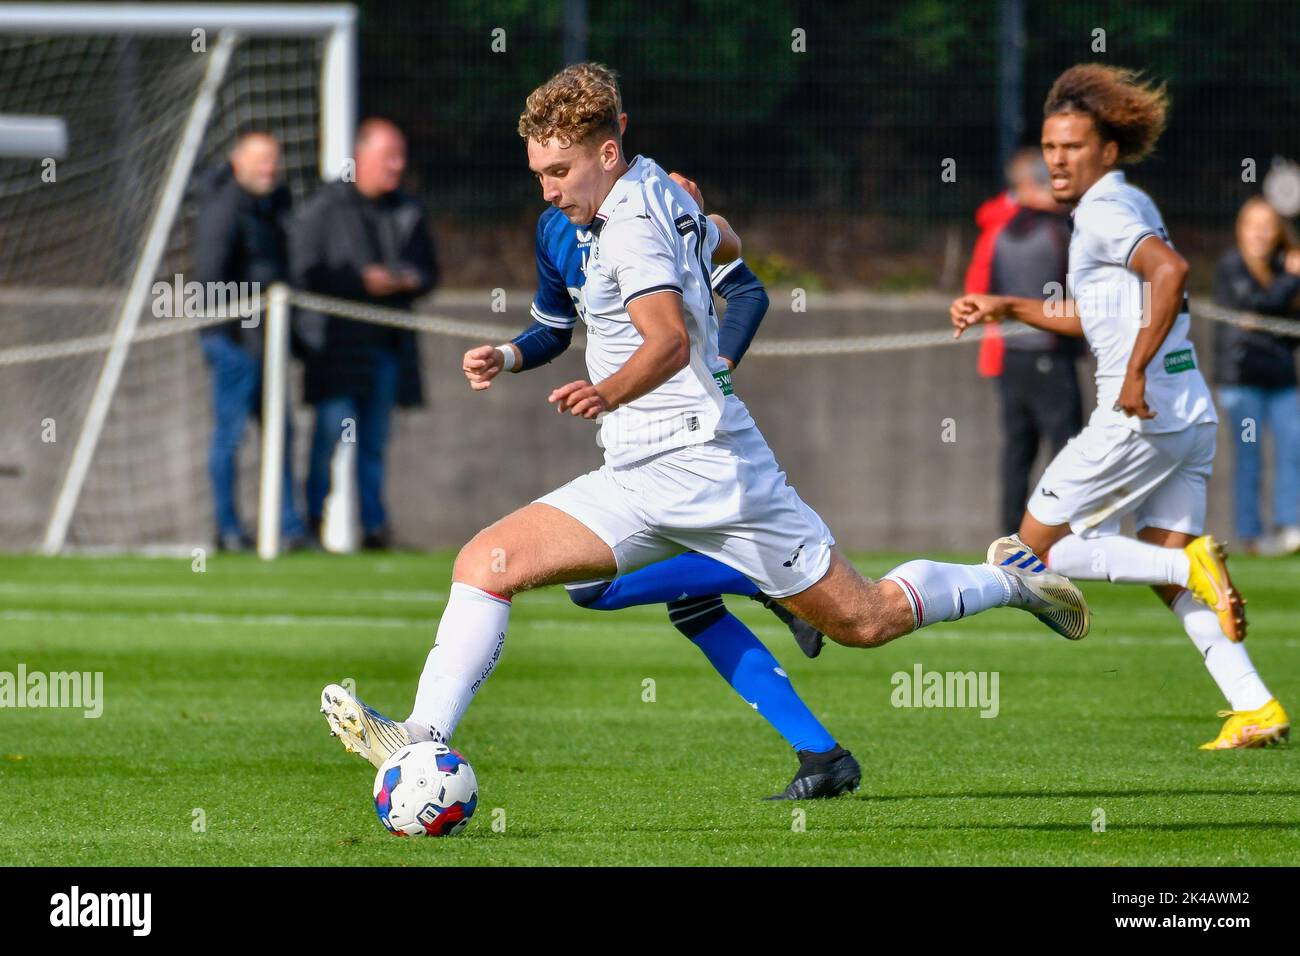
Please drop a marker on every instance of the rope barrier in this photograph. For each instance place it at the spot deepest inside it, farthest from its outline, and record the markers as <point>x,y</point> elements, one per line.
<point>929,304</point>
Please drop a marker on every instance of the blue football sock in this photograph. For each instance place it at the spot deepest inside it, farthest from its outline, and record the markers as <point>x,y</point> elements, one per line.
<point>751,670</point>
<point>687,575</point>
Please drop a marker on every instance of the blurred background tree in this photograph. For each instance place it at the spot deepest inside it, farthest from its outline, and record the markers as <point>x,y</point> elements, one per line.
<point>852,131</point>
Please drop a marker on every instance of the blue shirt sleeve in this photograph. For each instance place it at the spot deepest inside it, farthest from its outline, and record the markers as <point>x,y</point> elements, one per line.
<point>552,304</point>
<point>540,343</point>
<point>746,305</point>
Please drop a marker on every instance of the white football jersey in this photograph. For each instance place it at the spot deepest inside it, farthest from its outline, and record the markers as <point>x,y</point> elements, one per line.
<point>1111,219</point>
<point>651,237</point>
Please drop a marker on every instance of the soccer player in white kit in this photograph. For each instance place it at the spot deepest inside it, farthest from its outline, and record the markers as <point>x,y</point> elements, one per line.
<point>685,466</point>
<point>1148,447</point>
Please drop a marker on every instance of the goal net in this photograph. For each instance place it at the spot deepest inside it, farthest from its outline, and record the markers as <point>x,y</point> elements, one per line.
<point>104,405</point>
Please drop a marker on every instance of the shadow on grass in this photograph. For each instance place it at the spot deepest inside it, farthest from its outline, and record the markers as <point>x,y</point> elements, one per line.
<point>1082,794</point>
<point>1255,825</point>
<point>880,827</point>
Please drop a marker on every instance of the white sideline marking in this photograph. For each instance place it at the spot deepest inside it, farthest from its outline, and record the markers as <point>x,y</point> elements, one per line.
<point>165,591</point>
<point>295,620</point>
<point>257,620</point>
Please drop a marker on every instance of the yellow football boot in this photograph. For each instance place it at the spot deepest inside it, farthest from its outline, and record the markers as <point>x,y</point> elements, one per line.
<point>1211,584</point>
<point>1251,728</point>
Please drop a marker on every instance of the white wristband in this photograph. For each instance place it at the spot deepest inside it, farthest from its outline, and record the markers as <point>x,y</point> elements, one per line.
<point>507,357</point>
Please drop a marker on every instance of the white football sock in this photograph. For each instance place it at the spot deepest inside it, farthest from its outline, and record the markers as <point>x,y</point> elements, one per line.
<point>1228,663</point>
<point>1119,559</point>
<point>470,637</point>
<point>949,592</point>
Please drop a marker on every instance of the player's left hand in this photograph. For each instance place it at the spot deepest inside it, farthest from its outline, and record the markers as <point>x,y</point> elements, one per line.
<point>1132,397</point>
<point>579,398</point>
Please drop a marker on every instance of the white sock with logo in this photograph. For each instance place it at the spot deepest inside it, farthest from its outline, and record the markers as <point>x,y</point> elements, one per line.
<point>949,592</point>
<point>471,634</point>
<point>1228,663</point>
<point>1118,559</point>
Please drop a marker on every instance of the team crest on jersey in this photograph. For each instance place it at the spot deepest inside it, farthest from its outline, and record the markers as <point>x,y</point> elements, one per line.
<point>585,239</point>
<point>579,304</point>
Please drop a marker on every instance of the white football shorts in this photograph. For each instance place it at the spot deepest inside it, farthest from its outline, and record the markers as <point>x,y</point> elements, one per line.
<point>1109,471</point>
<point>726,498</point>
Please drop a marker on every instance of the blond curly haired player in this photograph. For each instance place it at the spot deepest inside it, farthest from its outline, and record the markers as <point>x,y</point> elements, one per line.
<point>685,466</point>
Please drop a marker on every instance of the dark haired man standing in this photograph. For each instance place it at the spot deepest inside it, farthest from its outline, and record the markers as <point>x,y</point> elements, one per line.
<point>240,238</point>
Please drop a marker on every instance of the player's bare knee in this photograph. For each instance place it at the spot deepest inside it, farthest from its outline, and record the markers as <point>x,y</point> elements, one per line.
<point>874,619</point>
<point>481,564</point>
<point>858,630</point>
<point>868,632</point>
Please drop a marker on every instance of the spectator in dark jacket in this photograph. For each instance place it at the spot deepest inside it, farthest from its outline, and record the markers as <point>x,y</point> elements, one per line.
<point>240,237</point>
<point>1256,375</point>
<point>368,241</point>
<point>1024,250</point>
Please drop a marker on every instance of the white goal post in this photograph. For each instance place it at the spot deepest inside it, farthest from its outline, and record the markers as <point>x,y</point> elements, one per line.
<point>336,22</point>
<point>211,29</point>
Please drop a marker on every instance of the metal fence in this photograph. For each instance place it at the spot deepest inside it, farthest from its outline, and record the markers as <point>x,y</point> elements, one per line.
<point>845,108</point>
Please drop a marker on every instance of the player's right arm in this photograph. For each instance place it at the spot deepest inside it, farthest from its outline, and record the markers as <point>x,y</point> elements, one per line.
<point>664,351</point>
<point>1050,315</point>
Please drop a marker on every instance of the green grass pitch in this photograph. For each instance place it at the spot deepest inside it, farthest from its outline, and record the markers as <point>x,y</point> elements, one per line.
<point>211,684</point>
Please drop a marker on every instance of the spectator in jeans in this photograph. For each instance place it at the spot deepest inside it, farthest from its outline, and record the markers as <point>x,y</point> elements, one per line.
<point>1024,250</point>
<point>240,237</point>
<point>1256,375</point>
<point>368,241</point>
